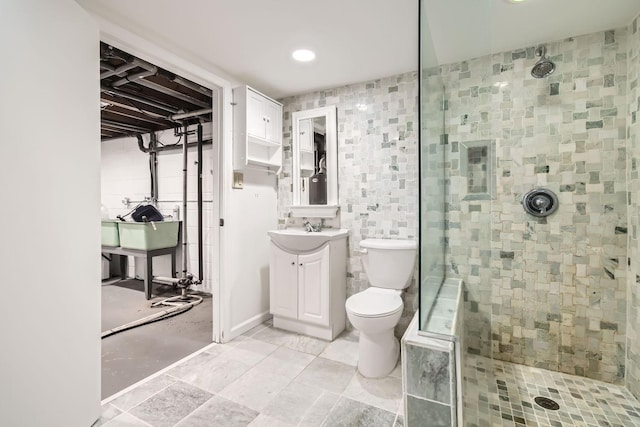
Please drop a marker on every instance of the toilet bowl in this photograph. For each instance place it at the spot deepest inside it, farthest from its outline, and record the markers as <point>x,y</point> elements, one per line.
<point>376,311</point>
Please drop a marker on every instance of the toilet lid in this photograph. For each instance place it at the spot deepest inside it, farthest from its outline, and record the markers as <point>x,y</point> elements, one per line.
<point>374,302</point>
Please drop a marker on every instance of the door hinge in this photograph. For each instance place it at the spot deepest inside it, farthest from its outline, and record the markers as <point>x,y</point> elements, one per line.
<point>221,222</point>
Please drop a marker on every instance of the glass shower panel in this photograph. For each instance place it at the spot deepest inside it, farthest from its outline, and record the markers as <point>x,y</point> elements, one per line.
<point>432,174</point>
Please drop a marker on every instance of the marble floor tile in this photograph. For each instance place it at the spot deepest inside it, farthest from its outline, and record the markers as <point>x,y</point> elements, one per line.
<point>257,329</point>
<point>344,349</point>
<point>142,392</point>
<point>351,413</point>
<point>267,421</point>
<point>292,340</point>
<point>397,371</point>
<point>267,377</point>
<point>384,393</point>
<point>292,403</point>
<point>319,411</point>
<point>249,351</point>
<point>209,372</point>
<point>255,389</point>
<point>109,412</point>
<point>327,374</point>
<point>171,405</point>
<point>126,420</point>
<point>219,412</point>
<point>285,362</point>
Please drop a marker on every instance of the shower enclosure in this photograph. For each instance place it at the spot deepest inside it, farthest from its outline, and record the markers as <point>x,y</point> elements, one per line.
<point>556,292</point>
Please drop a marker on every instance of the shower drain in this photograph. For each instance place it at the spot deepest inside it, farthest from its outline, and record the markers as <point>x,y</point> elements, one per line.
<point>547,403</point>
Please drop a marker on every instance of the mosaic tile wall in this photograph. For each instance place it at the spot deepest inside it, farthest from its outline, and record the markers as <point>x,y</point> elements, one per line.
<point>377,168</point>
<point>633,164</point>
<point>547,292</point>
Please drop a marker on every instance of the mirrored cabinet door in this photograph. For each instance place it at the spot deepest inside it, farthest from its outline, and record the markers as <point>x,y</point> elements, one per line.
<point>315,169</point>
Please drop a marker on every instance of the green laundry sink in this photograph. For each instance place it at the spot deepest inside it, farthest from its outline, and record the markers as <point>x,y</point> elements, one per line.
<point>146,236</point>
<point>110,235</point>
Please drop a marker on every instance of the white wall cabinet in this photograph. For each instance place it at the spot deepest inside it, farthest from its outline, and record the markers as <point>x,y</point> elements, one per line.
<point>308,290</point>
<point>257,127</point>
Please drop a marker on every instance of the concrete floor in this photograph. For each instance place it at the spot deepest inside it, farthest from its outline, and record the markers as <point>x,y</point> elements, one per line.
<point>130,356</point>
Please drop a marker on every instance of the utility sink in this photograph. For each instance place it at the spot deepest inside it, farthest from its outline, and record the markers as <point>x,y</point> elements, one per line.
<point>147,236</point>
<point>300,240</point>
<point>110,236</point>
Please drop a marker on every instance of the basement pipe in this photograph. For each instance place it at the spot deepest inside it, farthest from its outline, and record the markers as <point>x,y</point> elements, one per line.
<point>134,77</point>
<point>123,126</point>
<point>173,93</point>
<point>113,100</point>
<point>121,69</point>
<point>133,97</point>
<point>181,116</point>
<point>153,167</point>
<point>184,198</point>
<point>191,85</point>
<point>167,147</point>
<point>200,241</point>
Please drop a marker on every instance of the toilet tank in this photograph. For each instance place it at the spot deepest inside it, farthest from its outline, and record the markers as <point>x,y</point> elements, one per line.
<point>388,262</point>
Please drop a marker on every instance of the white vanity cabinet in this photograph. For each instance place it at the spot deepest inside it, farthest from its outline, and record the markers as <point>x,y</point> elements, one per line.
<point>308,289</point>
<point>257,128</point>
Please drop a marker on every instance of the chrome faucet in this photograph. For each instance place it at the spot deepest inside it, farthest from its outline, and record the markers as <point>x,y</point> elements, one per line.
<point>312,228</point>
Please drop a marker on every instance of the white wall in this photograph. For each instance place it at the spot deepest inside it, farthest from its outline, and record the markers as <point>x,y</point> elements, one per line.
<point>252,211</point>
<point>50,185</point>
<point>125,173</point>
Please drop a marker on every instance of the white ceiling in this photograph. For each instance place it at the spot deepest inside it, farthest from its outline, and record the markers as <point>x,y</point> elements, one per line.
<point>355,40</point>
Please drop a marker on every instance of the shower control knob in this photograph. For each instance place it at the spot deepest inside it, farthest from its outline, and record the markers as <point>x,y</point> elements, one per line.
<point>540,202</point>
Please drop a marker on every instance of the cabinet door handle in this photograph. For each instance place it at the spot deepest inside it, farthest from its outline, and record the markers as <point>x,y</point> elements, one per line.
<point>300,264</point>
<point>293,263</point>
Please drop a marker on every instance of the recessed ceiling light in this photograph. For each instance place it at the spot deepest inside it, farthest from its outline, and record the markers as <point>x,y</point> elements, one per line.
<point>516,1</point>
<point>303,55</point>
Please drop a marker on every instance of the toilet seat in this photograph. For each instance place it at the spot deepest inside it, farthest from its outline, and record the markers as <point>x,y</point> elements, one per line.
<point>374,302</point>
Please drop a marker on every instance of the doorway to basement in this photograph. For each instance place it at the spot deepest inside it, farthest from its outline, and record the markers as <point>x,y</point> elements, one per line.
<point>160,173</point>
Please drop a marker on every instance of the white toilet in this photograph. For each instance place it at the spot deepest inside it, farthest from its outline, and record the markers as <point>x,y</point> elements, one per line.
<point>376,311</point>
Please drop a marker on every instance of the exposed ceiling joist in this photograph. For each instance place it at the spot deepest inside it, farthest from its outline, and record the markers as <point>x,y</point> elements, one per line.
<point>138,97</point>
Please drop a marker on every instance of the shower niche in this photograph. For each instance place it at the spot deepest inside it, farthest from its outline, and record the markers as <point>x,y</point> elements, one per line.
<point>477,169</point>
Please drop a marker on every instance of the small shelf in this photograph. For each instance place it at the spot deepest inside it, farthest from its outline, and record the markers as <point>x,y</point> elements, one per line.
<point>261,141</point>
<point>259,162</point>
<point>257,124</point>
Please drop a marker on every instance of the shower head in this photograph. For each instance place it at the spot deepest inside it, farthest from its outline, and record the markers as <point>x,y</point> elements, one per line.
<point>544,67</point>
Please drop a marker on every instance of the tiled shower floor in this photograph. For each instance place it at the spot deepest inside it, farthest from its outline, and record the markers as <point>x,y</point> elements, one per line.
<point>502,394</point>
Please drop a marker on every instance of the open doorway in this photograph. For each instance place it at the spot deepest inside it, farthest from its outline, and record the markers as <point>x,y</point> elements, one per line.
<point>147,115</point>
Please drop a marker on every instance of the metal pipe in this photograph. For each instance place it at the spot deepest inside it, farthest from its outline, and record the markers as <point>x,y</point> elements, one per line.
<point>173,93</point>
<point>131,128</point>
<point>200,241</point>
<point>167,147</point>
<point>138,116</point>
<point>184,198</point>
<point>134,77</point>
<point>118,103</point>
<point>153,167</point>
<point>107,66</point>
<point>155,104</point>
<point>181,116</point>
<point>192,85</point>
<point>121,69</point>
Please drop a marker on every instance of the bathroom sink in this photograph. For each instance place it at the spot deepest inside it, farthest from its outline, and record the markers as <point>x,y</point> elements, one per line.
<point>300,240</point>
